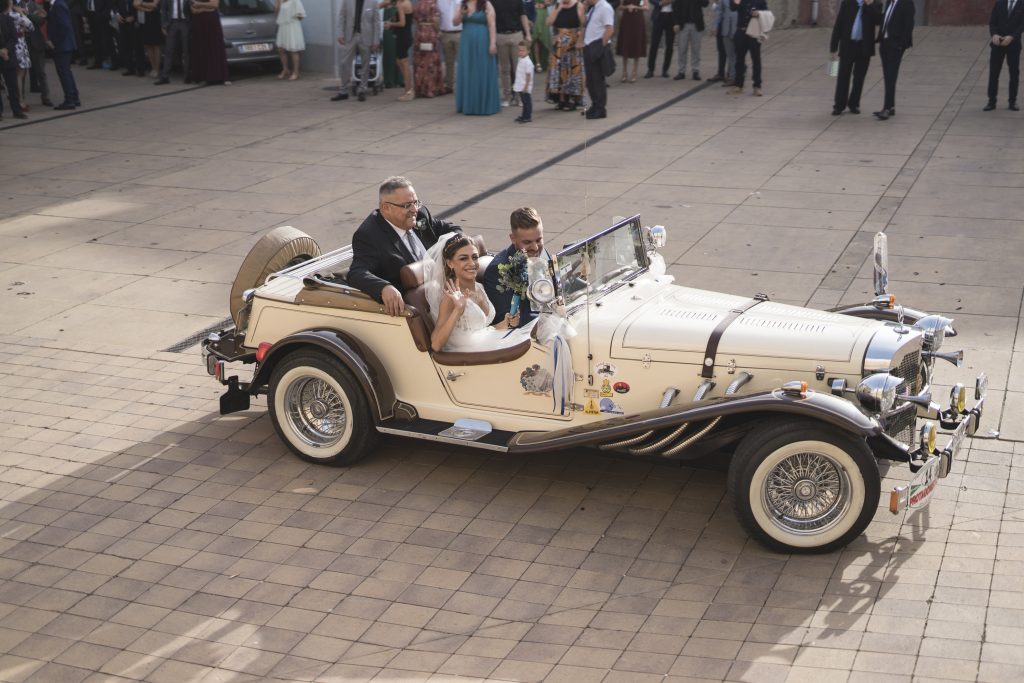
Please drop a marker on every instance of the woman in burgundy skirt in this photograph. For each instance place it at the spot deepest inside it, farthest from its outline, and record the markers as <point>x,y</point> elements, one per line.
<point>207,59</point>
<point>632,36</point>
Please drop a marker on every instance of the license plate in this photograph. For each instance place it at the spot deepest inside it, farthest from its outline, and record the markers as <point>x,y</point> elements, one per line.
<point>925,483</point>
<point>256,47</point>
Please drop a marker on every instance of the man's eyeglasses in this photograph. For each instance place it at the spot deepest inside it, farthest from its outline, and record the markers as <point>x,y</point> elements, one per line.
<point>408,206</point>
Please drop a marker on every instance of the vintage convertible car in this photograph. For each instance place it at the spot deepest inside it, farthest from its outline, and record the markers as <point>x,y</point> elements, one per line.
<point>619,359</point>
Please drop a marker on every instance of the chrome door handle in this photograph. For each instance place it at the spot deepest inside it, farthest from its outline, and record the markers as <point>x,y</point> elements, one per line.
<point>452,376</point>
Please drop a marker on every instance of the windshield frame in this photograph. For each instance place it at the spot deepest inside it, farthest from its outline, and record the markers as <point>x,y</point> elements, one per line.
<point>643,248</point>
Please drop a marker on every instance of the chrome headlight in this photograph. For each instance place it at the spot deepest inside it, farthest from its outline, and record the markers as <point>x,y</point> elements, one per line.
<point>936,328</point>
<point>878,392</point>
<point>541,289</point>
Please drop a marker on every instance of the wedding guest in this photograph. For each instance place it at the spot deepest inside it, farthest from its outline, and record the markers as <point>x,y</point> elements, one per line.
<point>98,16</point>
<point>723,28</point>
<point>78,22</point>
<point>895,36</point>
<point>565,67</point>
<point>632,42</point>
<point>9,60</point>
<point>150,33</point>
<point>1005,26</point>
<point>358,28</point>
<point>22,60</point>
<point>745,11</point>
<point>523,86</point>
<point>392,76</point>
<point>510,26</point>
<point>402,30</point>
<point>689,18</point>
<point>36,13</point>
<point>853,39</point>
<point>596,36</point>
<point>476,84</point>
<point>427,52</point>
<point>62,37</point>
<point>290,41</point>
<point>208,61</point>
<point>662,24</point>
<point>541,36</point>
<point>450,34</point>
<point>128,40</point>
<point>176,23</point>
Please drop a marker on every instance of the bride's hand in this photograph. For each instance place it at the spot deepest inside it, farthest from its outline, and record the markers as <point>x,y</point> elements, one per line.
<point>454,295</point>
<point>512,320</point>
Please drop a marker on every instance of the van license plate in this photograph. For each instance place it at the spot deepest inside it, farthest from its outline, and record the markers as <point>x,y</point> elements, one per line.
<point>256,47</point>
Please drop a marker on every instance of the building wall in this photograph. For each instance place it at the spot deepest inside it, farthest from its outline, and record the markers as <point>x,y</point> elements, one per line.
<point>320,26</point>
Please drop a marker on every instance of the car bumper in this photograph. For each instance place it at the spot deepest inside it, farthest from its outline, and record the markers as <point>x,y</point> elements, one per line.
<point>937,465</point>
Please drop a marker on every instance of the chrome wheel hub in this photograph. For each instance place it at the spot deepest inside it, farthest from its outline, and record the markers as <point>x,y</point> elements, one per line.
<point>316,412</point>
<point>806,493</point>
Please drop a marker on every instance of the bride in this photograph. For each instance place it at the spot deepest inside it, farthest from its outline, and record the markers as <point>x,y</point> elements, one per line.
<point>458,303</point>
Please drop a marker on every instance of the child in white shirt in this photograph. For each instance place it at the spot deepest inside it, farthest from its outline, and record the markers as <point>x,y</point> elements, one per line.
<point>524,82</point>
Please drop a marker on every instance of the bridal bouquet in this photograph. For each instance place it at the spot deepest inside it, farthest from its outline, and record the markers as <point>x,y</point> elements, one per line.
<point>513,277</point>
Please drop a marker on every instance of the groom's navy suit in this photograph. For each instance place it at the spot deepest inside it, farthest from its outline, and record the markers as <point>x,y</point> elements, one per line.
<point>378,254</point>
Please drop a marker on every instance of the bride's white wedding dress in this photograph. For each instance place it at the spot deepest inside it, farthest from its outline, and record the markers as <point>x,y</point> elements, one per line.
<point>472,331</point>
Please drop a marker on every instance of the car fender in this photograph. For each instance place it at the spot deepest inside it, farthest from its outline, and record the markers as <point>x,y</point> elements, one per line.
<point>826,408</point>
<point>357,357</point>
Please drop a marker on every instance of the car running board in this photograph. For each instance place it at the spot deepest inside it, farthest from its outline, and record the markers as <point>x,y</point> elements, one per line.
<point>446,432</point>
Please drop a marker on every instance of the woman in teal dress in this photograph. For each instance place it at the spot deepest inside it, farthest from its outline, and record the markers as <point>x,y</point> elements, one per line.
<point>476,81</point>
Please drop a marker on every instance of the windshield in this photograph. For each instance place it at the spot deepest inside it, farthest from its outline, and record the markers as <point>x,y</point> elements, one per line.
<point>604,261</point>
<point>231,8</point>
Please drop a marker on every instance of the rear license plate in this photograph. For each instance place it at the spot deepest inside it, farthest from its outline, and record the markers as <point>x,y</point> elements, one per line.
<point>255,47</point>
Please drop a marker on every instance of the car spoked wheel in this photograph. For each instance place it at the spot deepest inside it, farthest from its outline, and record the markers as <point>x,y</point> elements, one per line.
<point>804,487</point>
<point>319,410</point>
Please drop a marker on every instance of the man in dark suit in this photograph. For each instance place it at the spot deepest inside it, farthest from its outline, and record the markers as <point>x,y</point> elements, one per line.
<point>527,235</point>
<point>1005,26</point>
<point>397,233</point>
<point>98,15</point>
<point>62,35</point>
<point>853,38</point>
<point>175,16</point>
<point>895,36</point>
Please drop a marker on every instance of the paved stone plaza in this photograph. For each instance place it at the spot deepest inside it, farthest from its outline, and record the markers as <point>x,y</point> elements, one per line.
<point>144,537</point>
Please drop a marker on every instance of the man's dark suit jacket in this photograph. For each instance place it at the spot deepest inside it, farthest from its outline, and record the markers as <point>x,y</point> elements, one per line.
<point>1004,24</point>
<point>869,21</point>
<point>502,301</point>
<point>9,41</point>
<point>901,24</point>
<point>378,254</point>
<point>59,27</point>
<point>689,12</point>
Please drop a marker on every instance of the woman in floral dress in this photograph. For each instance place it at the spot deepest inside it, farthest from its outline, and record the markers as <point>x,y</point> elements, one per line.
<point>429,77</point>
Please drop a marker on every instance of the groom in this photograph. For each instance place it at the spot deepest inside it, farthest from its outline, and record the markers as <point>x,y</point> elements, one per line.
<point>397,233</point>
<point>527,235</point>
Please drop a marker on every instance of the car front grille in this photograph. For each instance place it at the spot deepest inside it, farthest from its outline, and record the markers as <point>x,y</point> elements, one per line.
<point>909,370</point>
<point>900,425</point>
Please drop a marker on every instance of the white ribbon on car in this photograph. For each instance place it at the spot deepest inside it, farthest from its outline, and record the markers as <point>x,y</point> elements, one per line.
<point>554,331</point>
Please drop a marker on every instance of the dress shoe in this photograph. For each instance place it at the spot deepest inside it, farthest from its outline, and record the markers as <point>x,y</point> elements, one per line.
<point>696,76</point>
<point>362,96</point>
<point>989,106</point>
<point>339,97</point>
<point>594,114</point>
<point>883,114</point>
<point>679,77</point>
<point>47,102</point>
<point>20,115</point>
<point>854,110</point>
<point>1013,106</point>
<point>649,74</point>
<point>64,106</point>
<point>736,90</point>
<point>161,81</point>
<point>837,112</point>
<point>757,92</point>
<point>77,103</point>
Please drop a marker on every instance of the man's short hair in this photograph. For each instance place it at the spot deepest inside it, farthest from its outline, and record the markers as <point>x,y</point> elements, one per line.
<point>524,218</point>
<point>395,182</point>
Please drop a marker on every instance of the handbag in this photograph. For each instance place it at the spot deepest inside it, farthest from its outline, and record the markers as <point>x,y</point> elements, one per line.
<point>607,61</point>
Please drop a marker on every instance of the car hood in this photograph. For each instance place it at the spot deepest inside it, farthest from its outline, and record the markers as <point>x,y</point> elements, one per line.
<point>676,323</point>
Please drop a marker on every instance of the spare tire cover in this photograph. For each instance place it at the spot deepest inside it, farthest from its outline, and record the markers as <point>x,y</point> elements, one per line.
<point>273,252</point>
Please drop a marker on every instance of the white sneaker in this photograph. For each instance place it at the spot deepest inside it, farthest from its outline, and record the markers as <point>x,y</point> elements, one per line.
<point>504,103</point>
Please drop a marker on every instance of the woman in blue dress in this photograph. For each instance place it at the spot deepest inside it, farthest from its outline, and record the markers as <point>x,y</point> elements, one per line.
<point>476,82</point>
